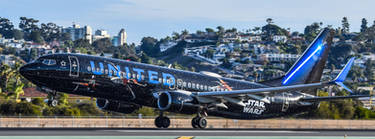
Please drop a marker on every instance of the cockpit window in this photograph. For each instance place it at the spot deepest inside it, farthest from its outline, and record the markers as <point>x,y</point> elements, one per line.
<point>49,62</point>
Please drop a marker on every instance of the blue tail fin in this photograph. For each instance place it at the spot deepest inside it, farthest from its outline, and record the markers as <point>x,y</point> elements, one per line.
<point>309,67</point>
<point>342,75</point>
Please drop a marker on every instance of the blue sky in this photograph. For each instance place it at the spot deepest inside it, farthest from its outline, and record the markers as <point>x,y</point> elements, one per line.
<point>159,18</point>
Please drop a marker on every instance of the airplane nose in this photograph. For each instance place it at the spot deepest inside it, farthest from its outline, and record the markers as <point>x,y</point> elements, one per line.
<point>22,70</point>
<point>25,70</point>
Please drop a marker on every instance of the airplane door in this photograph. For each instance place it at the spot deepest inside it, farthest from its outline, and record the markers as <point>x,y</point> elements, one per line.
<point>74,66</point>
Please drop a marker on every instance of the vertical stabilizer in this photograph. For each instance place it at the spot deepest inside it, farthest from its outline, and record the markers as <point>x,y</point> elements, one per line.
<point>309,67</point>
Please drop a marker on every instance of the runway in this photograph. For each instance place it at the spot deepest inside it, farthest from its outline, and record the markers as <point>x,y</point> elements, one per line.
<point>152,132</point>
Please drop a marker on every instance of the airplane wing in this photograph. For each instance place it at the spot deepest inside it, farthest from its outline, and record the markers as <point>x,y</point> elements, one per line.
<point>338,81</point>
<point>266,90</point>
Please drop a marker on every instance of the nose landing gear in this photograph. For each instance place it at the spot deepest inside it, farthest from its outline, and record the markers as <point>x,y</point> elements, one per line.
<point>52,99</point>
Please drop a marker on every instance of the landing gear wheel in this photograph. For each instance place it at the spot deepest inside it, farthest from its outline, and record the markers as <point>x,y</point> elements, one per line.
<point>202,123</point>
<point>194,122</point>
<point>166,122</point>
<point>53,102</point>
<point>158,122</point>
<point>162,122</point>
<point>52,99</point>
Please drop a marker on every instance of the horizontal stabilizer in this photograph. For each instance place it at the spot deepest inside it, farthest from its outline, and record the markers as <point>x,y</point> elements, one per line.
<point>342,75</point>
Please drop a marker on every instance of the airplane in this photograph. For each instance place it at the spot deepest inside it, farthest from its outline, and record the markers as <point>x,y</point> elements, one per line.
<point>125,86</point>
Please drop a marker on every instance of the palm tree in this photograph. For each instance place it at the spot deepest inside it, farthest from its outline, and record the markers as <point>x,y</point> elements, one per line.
<point>16,75</point>
<point>17,91</point>
<point>5,73</point>
<point>185,32</point>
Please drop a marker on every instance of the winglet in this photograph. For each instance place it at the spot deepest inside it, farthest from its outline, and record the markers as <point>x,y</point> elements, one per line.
<point>342,75</point>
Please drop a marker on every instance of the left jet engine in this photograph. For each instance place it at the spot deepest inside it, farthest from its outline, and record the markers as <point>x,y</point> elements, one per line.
<point>174,101</point>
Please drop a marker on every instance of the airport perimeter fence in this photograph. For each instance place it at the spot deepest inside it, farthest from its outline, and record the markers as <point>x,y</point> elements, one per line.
<point>178,122</point>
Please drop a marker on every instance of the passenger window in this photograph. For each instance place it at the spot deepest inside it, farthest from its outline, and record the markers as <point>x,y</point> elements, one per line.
<point>45,61</point>
<point>49,62</point>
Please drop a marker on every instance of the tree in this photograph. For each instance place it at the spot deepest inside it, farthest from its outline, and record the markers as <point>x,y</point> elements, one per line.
<point>271,29</point>
<point>184,32</point>
<point>364,25</point>
<point>269,20</point>
<point>102,45</point>
<point>256,30</point>
<point>18,34</point>
<point>28,25</point>
<point>209,30</point>
<point>369,73</point>
<point>175,35</point>
<point>146,59</point>
<point>35,36</point>
<point>311,31</point>
<point>82,43</point>
<point>50,31</point>
<point>6,73</point>
<point>6,28</point>
<point>148,46</point>
<point>220,30</point>
<point>345,25</point>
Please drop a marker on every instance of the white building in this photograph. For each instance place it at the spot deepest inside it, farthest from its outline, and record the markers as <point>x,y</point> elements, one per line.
<point>7,59</point>
<point>122,36</point>
<point>255,38</point>
<point>278,57</point>
<point>100,34</point>
<point>76,32</point>
<point>279,38</point>
<point>120,39</point>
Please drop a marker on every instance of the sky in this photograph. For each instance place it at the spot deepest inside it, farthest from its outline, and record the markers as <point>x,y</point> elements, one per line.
<point>160,18</point>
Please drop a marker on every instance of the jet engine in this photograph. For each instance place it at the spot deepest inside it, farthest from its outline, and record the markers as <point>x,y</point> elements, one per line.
<point>174,101</point>
<point>115,106</point>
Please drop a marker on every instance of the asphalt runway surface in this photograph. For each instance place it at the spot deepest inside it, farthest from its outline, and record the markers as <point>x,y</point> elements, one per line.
<point>180,132</point>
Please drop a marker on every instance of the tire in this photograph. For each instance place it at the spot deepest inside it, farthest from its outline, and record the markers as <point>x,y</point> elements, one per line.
<point>202,123</point>
<point>158,122</point>
<point>53,102</point>
<point>194,122</point>
<point>166,122</point>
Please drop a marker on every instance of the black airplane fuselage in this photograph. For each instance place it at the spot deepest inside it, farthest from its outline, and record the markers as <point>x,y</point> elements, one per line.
<point>136,83</point>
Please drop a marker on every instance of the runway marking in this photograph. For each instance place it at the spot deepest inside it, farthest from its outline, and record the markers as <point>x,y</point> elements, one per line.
<point>185,137</point>
<point>210,131</point>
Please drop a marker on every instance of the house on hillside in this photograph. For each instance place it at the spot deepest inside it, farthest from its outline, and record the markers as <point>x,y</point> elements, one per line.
<point>278,57</point>
<point>279,38</point>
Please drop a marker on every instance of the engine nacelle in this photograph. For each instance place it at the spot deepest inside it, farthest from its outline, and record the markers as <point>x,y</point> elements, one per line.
<point>115,106</point>
<point>174,101</point>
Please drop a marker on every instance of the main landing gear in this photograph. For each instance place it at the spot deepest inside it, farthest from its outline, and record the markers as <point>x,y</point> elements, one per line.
<point>162,121</point>
<point>199,122</point>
